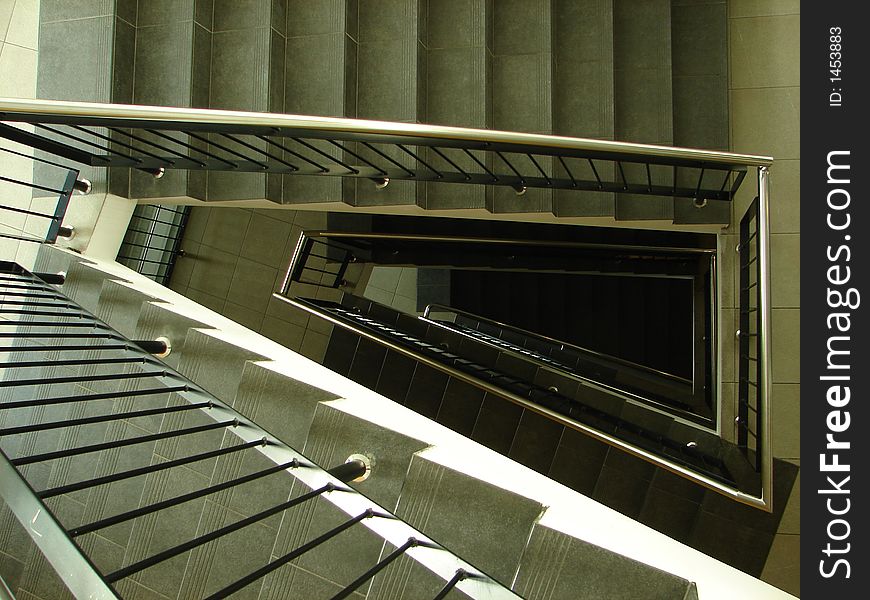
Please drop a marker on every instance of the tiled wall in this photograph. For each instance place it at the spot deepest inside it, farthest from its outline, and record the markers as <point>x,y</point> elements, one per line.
<point>19,34</point>
<point>235,258</point>
<point>764,84</point>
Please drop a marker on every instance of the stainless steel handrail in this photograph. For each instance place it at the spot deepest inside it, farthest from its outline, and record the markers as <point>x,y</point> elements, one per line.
<point>766,384</point>
<point>626,395</point>
<point>655,459</point>
<point>607,357</point>
<point>11,109</point>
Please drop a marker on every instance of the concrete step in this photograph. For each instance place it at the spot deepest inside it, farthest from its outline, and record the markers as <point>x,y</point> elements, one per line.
<point>558,566</point>
<point>156,319</point>
<point>643,97</point>
<point>391,76</point>
<point>583,95</point>
<point>84,284</point>
<point>246,73</point>
<point>337,432</point>
<point>281,404</point>
<point>457,88</point>
<point>214,363</point>
<point>320,79</point>
<point>170,67</point>
<point>522,76</point>
<point>120,305</point>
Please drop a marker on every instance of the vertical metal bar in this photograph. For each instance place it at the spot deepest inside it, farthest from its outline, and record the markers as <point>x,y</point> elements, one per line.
<point>481,165</point>
<point>450,162</point>
<point>765,386</point>
<point>263,571</point>
<point>175,501</point>
<point>457,577</point>
<point>700,179</point>
<point>387,157</point>
<point>296,154</point>
<point>595,172</point>
<point>568,171</point>
<point>103,418</point>
<point>51,146</point>
<point>743,341</point>
<point>89,397</point>
<point>170,464</point>
<point>34,458</point>
<point>512,168</point>
<point>540,169</point>
<point>204,539</point>
<point>377,568</point>
<point>622,175</point>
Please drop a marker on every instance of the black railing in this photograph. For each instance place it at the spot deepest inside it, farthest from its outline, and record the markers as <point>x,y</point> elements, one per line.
<point>152,139</point>
<point>163,392</point>
<point>51,224</point>
<point>320,262</point>
<point>644,383</point>
<point>709,462</point>
<point>750,400</point>
<point>152,243</point>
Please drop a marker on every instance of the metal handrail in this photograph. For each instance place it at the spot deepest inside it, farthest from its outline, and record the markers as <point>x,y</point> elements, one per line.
<point>658,460</point>
<point>234,141</point>
<point>12,109</point>
<point>606,357</point>
<point>759,211</point>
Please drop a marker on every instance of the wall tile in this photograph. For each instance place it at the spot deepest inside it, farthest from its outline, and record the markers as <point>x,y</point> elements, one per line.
<point>782,568</point>
<point>767,50</point>
<point>6,8</point>
<point>765,121</point>
<point>24,26</point>
<point>785,275</point>
<point>785,196</point>
<point>252,284</point>
<point>755,8</point>
<point>785,340</point>
<point>785,421</point>
<point>17,71</point>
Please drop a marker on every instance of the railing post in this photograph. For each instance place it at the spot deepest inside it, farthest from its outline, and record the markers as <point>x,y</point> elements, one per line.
<point>764,383</point>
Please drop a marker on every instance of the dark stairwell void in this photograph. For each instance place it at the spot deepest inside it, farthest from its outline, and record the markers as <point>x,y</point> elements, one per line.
<point>464,371</point>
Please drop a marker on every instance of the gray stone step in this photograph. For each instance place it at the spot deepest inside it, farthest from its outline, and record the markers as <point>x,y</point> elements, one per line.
<point>336,433</point>
<point>643,98</point>
<point>558,566</point>
<point>457,88</point>
<point>391,83</point>
<point>84,284</point>
<point>279,403</point>
<point>157,319</point>
<point>522,75</point>
<point>319,79</point>
<point>246,73</point>
<point>487,525</point>
<point>700,87</point>
<point>100,70</point>
<point>170,67</point>
<point>583,94</point>
<point>214,364</point>
<point>120,305</point>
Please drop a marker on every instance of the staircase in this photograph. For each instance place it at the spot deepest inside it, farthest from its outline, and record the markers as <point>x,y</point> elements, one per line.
<point>442,484</point>
<point>650,72</point>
